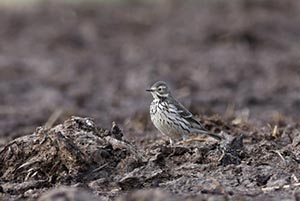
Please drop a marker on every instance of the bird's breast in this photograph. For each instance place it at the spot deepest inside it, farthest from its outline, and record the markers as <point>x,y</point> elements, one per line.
<point>169,123</point>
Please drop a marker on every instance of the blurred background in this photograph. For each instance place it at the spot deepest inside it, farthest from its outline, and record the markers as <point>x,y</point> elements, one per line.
<point>236,59</point>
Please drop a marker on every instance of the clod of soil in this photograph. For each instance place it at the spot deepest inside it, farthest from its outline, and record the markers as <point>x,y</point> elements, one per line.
<point>74,151</point>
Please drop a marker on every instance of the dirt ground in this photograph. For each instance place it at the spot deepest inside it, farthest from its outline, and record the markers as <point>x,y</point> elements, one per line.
<point>235,64</point>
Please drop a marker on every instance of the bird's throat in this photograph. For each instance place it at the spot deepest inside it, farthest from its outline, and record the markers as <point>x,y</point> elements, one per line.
<point>162,99</point>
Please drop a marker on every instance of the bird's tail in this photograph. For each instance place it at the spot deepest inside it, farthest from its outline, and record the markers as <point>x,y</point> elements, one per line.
<point>211,134</point>
<point>197,127</point>
<point>216,136</point>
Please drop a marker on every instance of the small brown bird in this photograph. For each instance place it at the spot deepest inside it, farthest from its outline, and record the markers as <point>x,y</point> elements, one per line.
<point>171,118</point>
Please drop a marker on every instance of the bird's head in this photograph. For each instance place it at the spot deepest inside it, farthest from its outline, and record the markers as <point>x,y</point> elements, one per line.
<point>159,90</point>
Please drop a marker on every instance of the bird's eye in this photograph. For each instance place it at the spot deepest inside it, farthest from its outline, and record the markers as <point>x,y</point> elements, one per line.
<point>159,89</point>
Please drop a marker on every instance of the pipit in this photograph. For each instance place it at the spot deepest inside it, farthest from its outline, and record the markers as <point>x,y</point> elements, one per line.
<point>171,118</point>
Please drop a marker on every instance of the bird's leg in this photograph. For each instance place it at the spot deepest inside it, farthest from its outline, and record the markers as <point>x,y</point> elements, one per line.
<point>171,141</point>
<point>182,141</point>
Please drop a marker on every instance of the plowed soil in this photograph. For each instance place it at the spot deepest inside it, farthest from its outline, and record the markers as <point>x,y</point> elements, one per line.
<point>235,64</point>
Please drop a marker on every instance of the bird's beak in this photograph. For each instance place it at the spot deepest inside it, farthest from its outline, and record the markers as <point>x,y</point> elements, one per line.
<point>149,90</point>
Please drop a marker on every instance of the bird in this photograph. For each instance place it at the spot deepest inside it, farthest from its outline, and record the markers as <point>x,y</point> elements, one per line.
<point>171,118</point>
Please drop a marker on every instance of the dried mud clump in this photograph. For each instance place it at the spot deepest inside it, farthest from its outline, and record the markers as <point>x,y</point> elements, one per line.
<point>73,151</point>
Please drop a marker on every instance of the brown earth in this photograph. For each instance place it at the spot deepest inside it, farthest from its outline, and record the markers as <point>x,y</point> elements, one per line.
<point>234,63</point>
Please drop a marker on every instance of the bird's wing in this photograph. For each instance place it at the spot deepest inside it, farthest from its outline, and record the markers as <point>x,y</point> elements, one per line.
<point>181,109</point>
<point>188,115</point>
<point>196,125</point>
